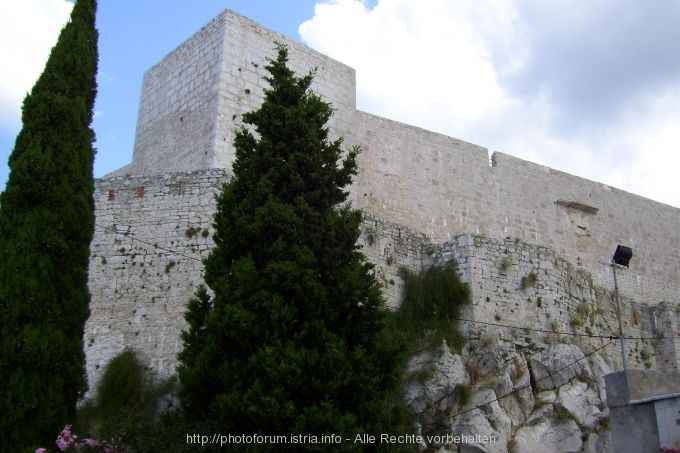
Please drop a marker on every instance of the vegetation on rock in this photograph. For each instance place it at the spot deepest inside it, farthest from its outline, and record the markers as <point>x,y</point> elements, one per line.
<point>430,305</point>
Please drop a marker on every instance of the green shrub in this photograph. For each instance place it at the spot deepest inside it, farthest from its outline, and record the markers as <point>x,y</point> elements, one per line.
<point>583,309</point>
<point>529,280</point>
<point>125,409</point>
<point>121,387</point>
<point>576,321</point>
<point>431,302</point>
<point>555,325</point>
<point>488,339</point>
<point>372,234</point>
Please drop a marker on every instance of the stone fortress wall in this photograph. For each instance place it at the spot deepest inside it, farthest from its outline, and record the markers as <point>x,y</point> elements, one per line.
<point>151,234</point>
<point>423,194</point>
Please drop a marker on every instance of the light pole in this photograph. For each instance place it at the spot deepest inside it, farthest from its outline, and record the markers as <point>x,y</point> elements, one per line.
<point>621,258</point>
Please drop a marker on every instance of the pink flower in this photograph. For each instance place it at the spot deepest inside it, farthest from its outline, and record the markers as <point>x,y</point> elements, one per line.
<point>65,439</point>
<point>91,442</point>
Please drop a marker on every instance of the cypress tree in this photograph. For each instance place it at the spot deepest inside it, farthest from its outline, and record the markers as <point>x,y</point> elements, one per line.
<point>290,341</point>
<point>46,225</point>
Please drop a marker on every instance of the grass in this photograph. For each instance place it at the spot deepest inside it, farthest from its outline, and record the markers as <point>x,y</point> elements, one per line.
<point>583,309</point>
<point>488,339</point>
<point>576,321</point>
<point>529,280</point>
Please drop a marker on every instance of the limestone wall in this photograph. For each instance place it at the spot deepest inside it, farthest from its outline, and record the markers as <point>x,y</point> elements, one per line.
<point>193,99</point>
<point>151,234</point>
<point>444,187</point>
<point>389,247</point>
<point>178,106</point>
<point>523,291</point>
<point>418,189</point>
<point>531,206</point>
<point>153,231</point>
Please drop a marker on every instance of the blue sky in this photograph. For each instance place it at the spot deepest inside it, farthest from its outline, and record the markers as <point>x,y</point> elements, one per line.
<point>133,35</point>
<point>590,88</point>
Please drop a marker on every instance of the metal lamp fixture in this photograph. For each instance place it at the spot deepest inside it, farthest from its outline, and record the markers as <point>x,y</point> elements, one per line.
<point>622,255</point>
<point>621,258</point>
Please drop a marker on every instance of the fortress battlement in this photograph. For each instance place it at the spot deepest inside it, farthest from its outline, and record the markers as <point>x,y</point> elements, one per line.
<point>416,186</point>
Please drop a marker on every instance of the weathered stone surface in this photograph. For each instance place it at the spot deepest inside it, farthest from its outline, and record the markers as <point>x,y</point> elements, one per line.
<point>597,443</point>
<point>484,360</point>
<point>550,435</point>
<point>486,401</point>
<point>447,371</point>
<point>545,397</point>
<point>513,410</point>
<point>526,400</point>
<point>540,414</point>
<point>581,402</point>
<point>600,370</point>
<point>504,403</point>
<point>557,365</point>
<point>475,423</point>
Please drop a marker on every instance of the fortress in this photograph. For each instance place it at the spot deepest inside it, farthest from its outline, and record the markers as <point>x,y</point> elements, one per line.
<point>528,239</point>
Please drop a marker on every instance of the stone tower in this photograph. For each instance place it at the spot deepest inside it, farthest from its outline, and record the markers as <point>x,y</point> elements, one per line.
<point>426,196</point>
<point>192,99</point>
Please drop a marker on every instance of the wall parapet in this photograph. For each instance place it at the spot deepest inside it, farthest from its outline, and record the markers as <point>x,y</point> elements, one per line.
<point>153,231</point>
<point>426,196</point>
<point>429,182</point>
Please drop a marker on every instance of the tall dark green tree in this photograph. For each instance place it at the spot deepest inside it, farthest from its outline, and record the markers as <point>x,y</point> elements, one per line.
<point>46,225</point>
<point>291,340</point>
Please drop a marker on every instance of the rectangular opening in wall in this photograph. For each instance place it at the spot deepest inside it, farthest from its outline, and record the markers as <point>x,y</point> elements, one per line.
<point>577,205</point>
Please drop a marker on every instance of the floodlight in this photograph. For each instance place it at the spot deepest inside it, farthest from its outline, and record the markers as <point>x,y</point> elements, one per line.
<point>622,255</point>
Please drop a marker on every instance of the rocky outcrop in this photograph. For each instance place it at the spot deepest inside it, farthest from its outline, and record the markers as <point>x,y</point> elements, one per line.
<point>548,435</point>
<point>524,396</point>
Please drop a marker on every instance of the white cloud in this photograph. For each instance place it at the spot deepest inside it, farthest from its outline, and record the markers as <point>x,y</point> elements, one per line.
<point>409,59</point>
<point>25,49</point>
<point>647,139</point>
<point>486,72</point>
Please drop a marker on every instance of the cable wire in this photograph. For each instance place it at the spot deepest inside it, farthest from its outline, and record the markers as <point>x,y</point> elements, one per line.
<point>573,334</point>
<point>532,329</point>
<point>156,246</point>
